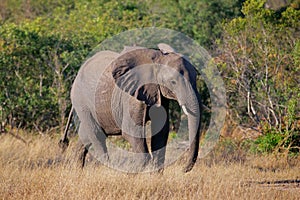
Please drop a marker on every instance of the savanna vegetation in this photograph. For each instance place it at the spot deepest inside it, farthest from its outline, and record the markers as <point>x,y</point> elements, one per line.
<point>255,45</point>
<point>32,170</point>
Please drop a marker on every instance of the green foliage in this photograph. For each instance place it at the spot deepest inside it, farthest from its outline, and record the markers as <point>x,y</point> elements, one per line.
<point>201,20</point>
<point>267,143</point>
<point>32,66</point>
<point>18,10</point>
<point>39,58</point>
<point>173,135</point>
<point>261,66</point>
<point>275,141</point>
<point>43,43</point>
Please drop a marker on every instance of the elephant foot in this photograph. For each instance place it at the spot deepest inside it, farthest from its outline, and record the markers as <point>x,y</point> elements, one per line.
<point>63,144</point>
<point>103,159</point>
<point>158,172</point>
<point>137,164</point>
<point>82,156</point>
<point>189,167</point>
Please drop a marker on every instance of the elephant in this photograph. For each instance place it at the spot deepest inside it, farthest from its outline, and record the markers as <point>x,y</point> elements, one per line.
<point>118,93</point>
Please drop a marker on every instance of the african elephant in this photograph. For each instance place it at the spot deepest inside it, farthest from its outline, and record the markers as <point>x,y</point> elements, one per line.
<point>116,94</point>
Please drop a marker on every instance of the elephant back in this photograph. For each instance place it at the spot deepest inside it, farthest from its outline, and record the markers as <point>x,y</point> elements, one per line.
<point>84,89</point>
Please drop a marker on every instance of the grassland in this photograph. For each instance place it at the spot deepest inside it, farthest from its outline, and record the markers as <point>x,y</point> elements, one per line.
<point>37,170</point>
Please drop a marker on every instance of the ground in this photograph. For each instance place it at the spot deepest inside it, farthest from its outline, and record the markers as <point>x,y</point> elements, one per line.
<point>36,169</point>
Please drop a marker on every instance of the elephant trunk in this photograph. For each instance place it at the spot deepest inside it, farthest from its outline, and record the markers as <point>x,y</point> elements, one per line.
<point>192,110</point>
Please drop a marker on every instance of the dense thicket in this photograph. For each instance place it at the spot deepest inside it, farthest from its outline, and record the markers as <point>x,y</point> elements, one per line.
<point>43,44</point>
<point>259,59</point>
<point>256,46</point>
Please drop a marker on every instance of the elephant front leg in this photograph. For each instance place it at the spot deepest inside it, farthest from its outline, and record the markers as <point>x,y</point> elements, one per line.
<point>133,130</point>
<point>139,157</point>
<point>160,132</point>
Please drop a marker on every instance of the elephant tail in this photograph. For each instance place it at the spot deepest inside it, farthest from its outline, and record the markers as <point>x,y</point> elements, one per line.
<point>64,141</point>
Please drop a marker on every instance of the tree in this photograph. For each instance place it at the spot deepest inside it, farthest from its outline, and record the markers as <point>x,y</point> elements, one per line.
<point>201,20</point>
<point>39,58</point>
<point>260,62</point>
<point>43,43</point>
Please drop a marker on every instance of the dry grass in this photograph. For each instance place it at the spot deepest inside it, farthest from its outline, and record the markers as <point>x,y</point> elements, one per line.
<point>37,171</point>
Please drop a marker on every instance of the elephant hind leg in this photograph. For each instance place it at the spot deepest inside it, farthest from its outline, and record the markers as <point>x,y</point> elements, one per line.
<point>93,138</point>
<point>82,155</point>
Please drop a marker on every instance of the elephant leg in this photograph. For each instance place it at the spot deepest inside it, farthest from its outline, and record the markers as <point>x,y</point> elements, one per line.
<point>133,130</point>
<point>82,155</point>
<point>138,145</point>
<point>140,156</point>
<point>93,138</point>
<point>159,140</point>
<point>158,146</point>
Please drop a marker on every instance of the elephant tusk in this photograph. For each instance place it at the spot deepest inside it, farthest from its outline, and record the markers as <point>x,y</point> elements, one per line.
<point>185,110</point>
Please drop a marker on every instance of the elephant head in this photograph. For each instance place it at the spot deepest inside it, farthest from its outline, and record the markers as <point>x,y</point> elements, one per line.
<point>150,75</point>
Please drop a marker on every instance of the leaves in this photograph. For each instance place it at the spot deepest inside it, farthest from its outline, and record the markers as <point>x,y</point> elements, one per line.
<point>258,52</point>
<point>43,43</point>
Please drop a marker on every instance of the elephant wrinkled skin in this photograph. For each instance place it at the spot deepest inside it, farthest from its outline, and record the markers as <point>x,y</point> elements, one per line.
<point>116,94</point>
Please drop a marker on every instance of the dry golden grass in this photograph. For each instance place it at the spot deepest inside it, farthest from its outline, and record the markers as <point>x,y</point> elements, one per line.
<point>37,171</point>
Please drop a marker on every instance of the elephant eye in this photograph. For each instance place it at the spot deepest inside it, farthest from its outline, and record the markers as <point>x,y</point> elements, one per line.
<point>173,82</point>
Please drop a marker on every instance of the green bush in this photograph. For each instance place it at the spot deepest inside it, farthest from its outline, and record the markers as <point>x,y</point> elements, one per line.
<point>267,143</point>
<point>43,43</point>
<point>274,141</point>
<point>259,60</point>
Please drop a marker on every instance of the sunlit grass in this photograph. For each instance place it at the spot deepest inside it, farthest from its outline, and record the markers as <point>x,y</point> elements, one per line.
<point>37,170</point>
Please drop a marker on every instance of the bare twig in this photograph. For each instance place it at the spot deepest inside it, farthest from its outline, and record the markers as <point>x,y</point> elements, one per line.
<point>37,128</point>
<point>17,137</point>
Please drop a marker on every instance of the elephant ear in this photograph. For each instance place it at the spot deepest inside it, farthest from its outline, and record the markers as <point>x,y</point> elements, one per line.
<point>134,73</point>
<point>165,48</point>
<point>126,49</point>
